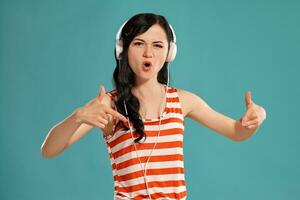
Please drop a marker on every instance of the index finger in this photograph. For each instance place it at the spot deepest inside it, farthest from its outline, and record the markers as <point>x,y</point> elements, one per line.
<point>101,94</point>
<point>116,114</point>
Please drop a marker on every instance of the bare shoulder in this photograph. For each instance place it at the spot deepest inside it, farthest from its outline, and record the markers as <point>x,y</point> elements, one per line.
<point>189,101</point>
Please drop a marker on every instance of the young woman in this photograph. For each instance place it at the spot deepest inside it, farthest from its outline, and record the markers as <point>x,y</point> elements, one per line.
<point>142,119</point>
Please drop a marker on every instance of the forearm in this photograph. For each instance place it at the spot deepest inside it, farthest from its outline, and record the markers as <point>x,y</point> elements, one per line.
<point>59,135</point>
<point>242,133</point>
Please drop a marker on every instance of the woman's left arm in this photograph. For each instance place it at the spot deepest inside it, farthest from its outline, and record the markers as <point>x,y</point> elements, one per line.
<point>238,130</point>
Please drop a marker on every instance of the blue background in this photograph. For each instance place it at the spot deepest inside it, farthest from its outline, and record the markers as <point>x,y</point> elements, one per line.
<point>55,54</point>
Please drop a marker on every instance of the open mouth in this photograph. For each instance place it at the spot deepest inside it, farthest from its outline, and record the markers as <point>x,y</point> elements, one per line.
<point>147,66</point>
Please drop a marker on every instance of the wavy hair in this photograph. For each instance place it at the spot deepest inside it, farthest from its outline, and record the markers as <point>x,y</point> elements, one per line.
<point>124,77</point>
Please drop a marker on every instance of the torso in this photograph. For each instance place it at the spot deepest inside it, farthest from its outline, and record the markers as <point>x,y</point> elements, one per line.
<point>166,168</point>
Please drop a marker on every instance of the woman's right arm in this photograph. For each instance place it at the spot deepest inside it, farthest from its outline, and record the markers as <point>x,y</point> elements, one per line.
<point>58,137</point>
<point>97,113</point>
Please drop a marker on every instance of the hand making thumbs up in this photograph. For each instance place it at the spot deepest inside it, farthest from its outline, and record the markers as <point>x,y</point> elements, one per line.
<point>254,115</point>
<point>97,111</point>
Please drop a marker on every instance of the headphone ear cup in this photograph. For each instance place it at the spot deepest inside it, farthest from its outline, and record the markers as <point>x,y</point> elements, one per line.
<point>119,49</point>
<point>172,52</point>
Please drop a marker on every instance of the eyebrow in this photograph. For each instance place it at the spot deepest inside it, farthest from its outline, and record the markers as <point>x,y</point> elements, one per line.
<point>144,40</point>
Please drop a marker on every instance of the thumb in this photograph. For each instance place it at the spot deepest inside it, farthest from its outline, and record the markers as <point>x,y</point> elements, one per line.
<point>248,99</point>
<point>101,94</point>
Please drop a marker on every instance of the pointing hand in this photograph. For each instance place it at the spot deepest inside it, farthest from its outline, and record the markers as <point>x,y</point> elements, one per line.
<point>97,112</point>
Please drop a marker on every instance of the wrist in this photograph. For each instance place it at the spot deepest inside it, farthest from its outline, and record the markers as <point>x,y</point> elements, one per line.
<point>77,115</point>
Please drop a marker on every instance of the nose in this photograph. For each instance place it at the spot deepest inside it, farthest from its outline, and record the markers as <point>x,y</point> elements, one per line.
<point>148,52</point>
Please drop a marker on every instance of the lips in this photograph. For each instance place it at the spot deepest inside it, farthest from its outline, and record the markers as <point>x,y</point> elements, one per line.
<point>147,66</point>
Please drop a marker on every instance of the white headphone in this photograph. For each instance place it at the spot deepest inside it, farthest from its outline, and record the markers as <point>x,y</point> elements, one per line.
<point>172,50</point>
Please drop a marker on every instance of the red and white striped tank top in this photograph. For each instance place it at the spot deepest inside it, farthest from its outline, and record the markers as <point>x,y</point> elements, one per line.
<point>165,169</point>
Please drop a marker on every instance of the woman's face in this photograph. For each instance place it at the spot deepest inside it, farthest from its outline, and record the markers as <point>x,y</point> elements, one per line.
<point>149,48</point>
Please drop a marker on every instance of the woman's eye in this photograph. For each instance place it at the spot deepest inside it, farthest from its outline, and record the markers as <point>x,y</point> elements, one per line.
<point>159,46</point>
<point>138,43</point>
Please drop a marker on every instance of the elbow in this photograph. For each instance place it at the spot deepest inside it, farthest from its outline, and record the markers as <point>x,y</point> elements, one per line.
<point>47,154</point>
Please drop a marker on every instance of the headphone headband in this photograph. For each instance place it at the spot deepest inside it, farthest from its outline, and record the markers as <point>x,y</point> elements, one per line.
<point>120,30</point>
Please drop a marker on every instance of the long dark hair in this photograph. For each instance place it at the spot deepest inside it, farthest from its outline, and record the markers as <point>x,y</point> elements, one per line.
<point>124,77</point>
